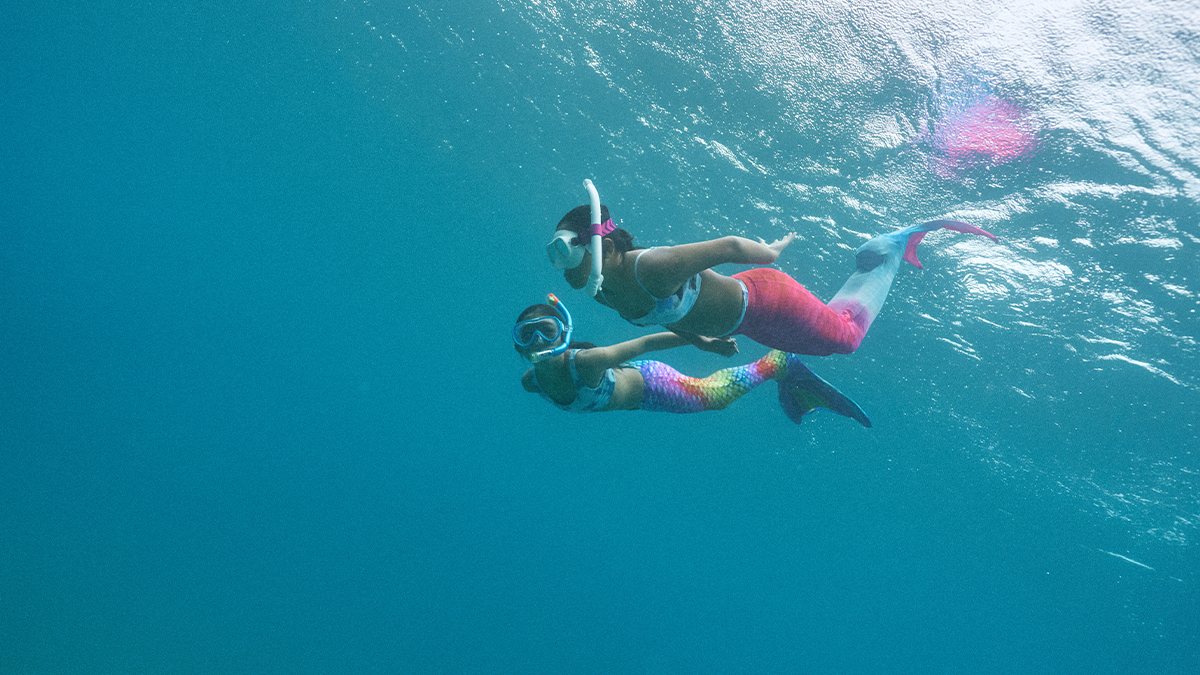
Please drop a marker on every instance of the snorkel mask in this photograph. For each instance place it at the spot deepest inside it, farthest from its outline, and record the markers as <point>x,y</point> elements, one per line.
<point>546,329</point>
<point>565,255</point>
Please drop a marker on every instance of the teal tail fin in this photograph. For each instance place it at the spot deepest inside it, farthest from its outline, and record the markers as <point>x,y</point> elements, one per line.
<point>801,392</point>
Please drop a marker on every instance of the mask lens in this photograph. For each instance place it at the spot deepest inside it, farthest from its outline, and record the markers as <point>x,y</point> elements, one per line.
<point>563,254</point>
<point>559,252</point>
<point>546,328</point>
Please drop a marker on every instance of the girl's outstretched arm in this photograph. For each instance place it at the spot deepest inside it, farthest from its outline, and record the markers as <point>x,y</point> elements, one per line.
<point>725,346</point>
<point>664,269</point>
<point>591,363</point>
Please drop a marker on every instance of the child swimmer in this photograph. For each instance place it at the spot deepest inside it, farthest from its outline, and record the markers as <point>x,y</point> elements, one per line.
<point>675,287</point>
<point>580,377</point>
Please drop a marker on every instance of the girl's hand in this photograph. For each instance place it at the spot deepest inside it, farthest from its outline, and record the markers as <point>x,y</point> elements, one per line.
<point>779,244</point>
<point>724,346</point>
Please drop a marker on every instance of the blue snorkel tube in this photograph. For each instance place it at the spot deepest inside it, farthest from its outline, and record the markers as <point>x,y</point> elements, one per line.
<point>597,247</point>
<point>569,327</point>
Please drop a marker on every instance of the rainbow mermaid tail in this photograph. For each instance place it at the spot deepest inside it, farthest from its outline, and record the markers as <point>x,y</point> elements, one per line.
<point>801,392</point>
<point>667,390</point>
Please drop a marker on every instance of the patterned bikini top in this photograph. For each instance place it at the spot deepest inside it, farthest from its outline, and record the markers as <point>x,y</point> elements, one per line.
<point>670,309</point>
<point>587,399</point>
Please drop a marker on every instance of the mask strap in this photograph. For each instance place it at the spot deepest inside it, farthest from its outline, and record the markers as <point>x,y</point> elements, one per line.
<point>602,229</point>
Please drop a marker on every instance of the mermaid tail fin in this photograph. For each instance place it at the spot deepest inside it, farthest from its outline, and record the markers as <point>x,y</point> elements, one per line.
<point>876,263</point>
<point>916,233</point>
<point>801,392</point>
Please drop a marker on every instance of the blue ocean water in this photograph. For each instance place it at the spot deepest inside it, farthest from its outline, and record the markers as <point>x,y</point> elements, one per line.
<point>260,414</point>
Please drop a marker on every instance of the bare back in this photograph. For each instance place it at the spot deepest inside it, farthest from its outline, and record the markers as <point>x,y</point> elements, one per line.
<point>645,276</point>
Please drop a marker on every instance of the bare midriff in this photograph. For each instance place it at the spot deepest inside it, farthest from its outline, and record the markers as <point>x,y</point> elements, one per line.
<point>717,309</point>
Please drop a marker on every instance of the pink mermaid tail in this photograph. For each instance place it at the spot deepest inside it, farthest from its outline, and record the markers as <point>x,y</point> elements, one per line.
<point>782,314</point>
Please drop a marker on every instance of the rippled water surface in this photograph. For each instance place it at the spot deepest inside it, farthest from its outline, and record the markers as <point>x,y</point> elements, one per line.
<point>1064,127</point>
<point>260,413</point>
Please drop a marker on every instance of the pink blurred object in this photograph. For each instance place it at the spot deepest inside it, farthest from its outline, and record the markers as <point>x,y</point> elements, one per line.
<point>987,131</point>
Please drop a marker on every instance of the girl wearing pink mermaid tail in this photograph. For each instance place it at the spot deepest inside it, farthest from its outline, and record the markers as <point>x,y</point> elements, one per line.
<point>580,377</point>
<point>675,287</point>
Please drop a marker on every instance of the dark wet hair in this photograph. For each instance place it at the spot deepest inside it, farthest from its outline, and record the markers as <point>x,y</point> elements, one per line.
<point>542,309</point>
<point>579,220</point>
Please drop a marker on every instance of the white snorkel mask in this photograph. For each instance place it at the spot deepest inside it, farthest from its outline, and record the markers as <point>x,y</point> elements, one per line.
<point>565,255</point>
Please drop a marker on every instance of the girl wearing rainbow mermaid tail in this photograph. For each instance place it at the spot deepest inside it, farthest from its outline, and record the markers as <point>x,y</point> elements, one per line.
<point>580,377</point>
<point>674,287</point>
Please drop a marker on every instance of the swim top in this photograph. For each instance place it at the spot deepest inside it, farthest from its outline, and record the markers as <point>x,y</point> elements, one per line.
<point>670,309</point>
<point>587,399</point>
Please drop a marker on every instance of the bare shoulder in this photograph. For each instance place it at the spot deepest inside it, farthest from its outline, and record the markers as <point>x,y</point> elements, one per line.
<point>663,270</point>
<point>591,364</point>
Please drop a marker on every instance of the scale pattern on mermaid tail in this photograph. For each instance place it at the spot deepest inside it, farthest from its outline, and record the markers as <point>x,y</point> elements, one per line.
<point>784,315</point>
<point>801,392</point>
<point>668,390</point>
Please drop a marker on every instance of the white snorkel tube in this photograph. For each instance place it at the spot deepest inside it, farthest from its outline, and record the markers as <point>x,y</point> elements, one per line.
<point>597,248</point>
<point>565,254</point>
